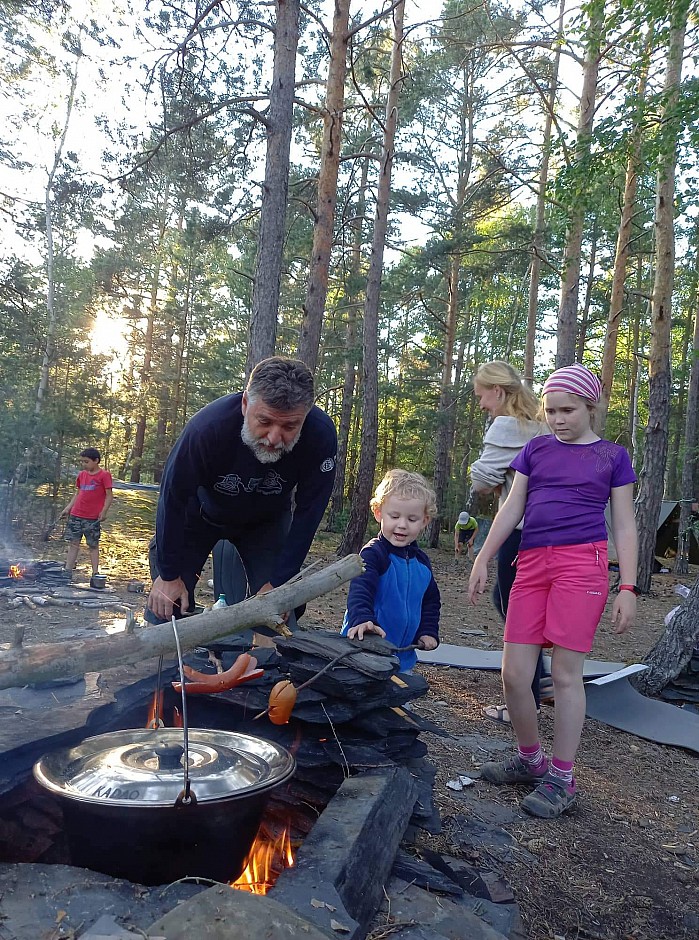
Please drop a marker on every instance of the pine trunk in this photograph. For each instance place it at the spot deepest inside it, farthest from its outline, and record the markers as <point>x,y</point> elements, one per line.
<point>570,284</point>
<point>621,257</point>
<point>316,295</point>
<point>540,223</point>
<point>689,459</point>
<point>268,264</point>
<point>359,514</point>
<point>652,474</point>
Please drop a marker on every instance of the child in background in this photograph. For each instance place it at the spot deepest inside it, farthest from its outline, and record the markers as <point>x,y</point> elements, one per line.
<point>87,509</point>
<point>465,532</point>
<point>562,484</point>
<point>397,597</point>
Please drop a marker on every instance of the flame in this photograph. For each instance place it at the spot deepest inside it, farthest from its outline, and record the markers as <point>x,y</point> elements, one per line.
<point>155,711</point>
<point>269,856</point>
<point>16,571</point>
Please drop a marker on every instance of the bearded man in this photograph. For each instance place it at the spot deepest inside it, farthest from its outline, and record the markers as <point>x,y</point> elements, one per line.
<point>251,474</point>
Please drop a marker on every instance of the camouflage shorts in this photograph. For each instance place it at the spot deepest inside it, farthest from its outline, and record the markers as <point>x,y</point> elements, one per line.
<point>76,527</point>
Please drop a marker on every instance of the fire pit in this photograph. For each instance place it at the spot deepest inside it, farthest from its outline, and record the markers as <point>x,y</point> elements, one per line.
<point>127,813</point>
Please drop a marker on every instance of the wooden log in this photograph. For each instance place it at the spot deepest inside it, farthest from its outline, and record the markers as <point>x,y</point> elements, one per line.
<point>43,662</point>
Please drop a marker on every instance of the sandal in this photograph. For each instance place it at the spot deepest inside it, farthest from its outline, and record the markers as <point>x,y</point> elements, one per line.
<point>500,713</point>
<point>546,690</point>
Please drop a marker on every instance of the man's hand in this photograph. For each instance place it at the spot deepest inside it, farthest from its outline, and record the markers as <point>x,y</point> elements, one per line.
<point>64,512</point>
<point>357,633</point>
<point>265,589</point>
<point>427,643</point>
<point>478,579</point>
<point>165,594</point>
<point>623,611</point>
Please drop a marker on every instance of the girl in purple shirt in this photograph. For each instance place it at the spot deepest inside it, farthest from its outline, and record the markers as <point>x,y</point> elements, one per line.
<point>562,485</point>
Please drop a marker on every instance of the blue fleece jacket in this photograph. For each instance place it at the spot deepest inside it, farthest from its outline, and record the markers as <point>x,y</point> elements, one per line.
<point>397,591</point>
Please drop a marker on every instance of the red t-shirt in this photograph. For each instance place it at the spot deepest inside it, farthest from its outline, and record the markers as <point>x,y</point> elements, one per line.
<point>92,492</point>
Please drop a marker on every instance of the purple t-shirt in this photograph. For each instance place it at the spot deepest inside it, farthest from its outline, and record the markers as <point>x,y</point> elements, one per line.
<point>569,487</point>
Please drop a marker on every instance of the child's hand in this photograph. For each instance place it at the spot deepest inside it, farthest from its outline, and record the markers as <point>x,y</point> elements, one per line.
<point>623,611</point>
<point>357,633</point>
<point>427,643</point>
<point>478,579</point>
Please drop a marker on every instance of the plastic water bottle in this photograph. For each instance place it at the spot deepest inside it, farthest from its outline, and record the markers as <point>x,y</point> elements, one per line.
<point>221,602</point>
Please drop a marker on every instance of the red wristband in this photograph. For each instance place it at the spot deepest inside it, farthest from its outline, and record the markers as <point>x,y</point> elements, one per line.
<point>629,587</point>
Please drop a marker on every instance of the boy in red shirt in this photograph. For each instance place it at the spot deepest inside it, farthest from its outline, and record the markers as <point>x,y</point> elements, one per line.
<point>87,508</point>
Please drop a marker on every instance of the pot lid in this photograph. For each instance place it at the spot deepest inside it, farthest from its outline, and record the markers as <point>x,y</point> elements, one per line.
<point>128,768</point>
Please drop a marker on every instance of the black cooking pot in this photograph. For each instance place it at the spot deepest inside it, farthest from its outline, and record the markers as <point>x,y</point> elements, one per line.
<point>127,813</point>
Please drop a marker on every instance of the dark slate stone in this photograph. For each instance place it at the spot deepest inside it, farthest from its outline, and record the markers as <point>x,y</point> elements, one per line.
<point>34,895</point>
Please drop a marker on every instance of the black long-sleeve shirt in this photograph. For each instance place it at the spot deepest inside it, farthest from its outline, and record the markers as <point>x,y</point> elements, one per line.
<point>211,473</point>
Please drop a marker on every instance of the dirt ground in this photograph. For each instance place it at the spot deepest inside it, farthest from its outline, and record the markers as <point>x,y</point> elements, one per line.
<point>624,864</point>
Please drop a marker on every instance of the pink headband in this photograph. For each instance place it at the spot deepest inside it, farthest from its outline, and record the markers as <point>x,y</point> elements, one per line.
<point>576,380</point>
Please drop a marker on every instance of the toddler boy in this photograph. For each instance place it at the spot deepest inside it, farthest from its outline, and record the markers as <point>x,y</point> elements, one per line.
<point>397,597</point>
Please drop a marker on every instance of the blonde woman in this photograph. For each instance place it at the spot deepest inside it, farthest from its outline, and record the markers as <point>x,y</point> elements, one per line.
<point>514,408</point>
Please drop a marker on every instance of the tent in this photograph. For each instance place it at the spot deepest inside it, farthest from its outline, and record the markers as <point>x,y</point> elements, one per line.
<point>667,532</point>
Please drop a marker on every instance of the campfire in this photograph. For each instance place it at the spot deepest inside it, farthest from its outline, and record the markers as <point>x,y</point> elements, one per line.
<point>40,573</point>
<point>269,856</point>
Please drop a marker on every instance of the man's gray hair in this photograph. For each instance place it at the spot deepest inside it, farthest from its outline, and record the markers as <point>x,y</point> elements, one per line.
<point>282,384</point>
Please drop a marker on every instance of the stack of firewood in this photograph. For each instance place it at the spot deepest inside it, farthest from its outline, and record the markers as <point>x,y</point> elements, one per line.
<point>350,718</point>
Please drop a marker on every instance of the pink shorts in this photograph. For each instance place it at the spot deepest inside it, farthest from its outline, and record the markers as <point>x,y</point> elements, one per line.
<point>558,596</point>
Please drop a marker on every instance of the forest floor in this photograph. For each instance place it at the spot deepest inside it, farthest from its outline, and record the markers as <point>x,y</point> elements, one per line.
<point>623,864</point>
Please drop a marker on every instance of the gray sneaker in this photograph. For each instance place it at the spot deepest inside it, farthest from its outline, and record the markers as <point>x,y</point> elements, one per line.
<point>550,799</point>
<point>513,770</point>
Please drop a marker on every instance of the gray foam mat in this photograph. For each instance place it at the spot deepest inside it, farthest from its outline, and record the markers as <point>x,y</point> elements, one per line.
<point>469,657</point>
<point>619,705</point>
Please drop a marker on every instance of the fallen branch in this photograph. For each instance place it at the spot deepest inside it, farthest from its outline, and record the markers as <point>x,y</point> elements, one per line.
<point>43,662</point>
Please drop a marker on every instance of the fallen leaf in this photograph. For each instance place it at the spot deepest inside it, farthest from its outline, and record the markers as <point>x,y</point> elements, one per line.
<point>316,903</point>
<point>341,928</point>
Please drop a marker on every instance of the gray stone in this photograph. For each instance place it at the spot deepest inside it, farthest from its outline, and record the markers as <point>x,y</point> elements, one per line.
<point>410,904</point>
<point>352,846</point>
<point>32,898</point>
<point>221,913</point>
<point>107,928</point>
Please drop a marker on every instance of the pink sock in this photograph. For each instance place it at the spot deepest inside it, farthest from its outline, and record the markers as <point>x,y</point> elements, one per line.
<point>562,770</point>
<point>534,758</point>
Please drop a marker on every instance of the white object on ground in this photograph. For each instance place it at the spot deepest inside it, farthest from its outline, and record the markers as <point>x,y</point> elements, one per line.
<point>619,674</point>
<point>669,615</point>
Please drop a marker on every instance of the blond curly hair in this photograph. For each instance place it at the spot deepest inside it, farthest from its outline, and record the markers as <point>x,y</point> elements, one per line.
<point>405,484</point>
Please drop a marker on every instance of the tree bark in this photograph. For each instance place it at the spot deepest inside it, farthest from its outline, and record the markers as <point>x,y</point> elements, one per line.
<point>537,248</point>
<point>446,406</point>
<point>570,284</point>
<point>317,292</point>
<point>44,662</point>
<point>690,433</point>
<point>52,316</point>
<point>270,245</point>
<point>359,513</point>
<point>337,500</point>
<point>674,649</point>
<point>651,478</point>
<point>616,298</point>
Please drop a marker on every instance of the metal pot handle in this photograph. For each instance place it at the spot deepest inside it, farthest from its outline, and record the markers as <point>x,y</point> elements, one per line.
<point>187,797</point>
